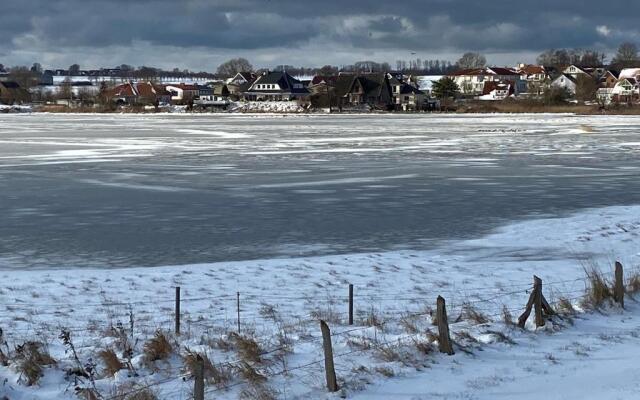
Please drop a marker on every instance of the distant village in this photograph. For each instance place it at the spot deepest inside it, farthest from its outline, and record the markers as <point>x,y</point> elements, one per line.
<point>379,88</point>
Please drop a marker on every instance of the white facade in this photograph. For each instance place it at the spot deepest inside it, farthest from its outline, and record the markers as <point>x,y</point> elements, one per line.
<point>564,81</point>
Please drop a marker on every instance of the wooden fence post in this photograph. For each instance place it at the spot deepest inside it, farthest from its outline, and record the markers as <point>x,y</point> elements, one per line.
<point>238,309</point>
<point>538,303</point>
<point>618,290</point>
<point>329,368</point>
<point>198,385</point>
<point>177,329</point>
<point>350,304</point>
<point>444,338</point>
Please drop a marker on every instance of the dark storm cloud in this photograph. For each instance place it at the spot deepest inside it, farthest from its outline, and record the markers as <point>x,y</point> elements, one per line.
<point>417,25</point>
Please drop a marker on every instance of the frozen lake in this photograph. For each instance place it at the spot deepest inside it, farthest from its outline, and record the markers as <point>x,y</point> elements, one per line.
<point>135,190</point>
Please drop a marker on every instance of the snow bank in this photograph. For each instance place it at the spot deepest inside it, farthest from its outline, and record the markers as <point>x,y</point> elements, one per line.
<point>268,107</point>
<point>396,288</point>
<point>15,108</point>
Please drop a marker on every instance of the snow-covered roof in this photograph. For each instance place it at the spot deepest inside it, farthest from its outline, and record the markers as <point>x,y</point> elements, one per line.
<point>629,73</point>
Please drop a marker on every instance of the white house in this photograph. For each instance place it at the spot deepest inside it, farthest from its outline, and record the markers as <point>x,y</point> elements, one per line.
<point>565,81</point>
<point>183,92</point>
<point>626,90</point>
<point>496,90</point>
<point>472,81</point>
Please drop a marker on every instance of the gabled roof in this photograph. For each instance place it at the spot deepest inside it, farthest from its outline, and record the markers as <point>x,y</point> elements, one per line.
<point>567,76</point>
<point>532,70</point>
<point>286,82</point>
<point>503,71</point>
<point>484,71</point>
<point>629,73</point>
<point>490,86</point>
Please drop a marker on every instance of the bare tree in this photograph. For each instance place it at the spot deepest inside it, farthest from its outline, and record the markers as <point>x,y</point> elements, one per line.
<point>586,88</point>
<point>472,60</point>
<point>627,56</point>
<point>233,66</point>
<point>74,70</point>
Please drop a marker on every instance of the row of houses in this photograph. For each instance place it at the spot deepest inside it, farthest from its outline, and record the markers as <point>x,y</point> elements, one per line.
<point>383,91</point>
<point>495,83</point>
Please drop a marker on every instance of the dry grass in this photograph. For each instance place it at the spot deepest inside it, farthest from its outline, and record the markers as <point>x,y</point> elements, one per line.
<point>220,376</point>
<point>633,283</point>
<point>470,313</point>
<point>565,307</point>
<point>424,346</point>
<point>133,392</point>
<point>111,362</point>
<point>258,392</point>
<point>250,374</point>
<point>599,290</point>
<point>31,358</point>
<point>247,347</point>
<point>501,337</point>
<point>157,348</point>
<point>507,318</point>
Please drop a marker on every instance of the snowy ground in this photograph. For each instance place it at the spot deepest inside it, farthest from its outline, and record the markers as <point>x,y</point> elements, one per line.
<point>593,358</point>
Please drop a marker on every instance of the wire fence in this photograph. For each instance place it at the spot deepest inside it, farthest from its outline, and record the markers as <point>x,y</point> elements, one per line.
<point>376,315</point>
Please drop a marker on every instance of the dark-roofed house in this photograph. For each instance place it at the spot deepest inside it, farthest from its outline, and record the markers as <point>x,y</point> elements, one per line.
<point>11,92</point>
<point>276,86</point>
<point>368,89</point>
<point>497,90</point>
<point>240,83</point>
<point>406,97</point>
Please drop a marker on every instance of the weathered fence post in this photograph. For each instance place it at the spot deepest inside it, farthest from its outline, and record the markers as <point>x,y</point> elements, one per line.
<point>350,304</point>
<point>198,385</point>
<point>537,302</point>
<point>177,329</point>
<point>618,290</point>
<point>238,309</point>
<point>329,368</point>
<point>444,338</point>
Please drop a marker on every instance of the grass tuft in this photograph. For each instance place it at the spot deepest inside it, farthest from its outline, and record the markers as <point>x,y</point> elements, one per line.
<point>31,358</point>
<point>112,363</point>
<point>157,348</point>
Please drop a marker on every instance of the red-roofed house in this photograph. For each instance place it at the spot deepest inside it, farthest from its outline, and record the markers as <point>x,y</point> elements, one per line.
<point>471,81</point>
<point>137,93</point>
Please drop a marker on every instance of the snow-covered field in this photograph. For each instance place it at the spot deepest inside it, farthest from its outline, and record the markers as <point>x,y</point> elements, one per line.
<point>404,208</point>
<point>281,301</point>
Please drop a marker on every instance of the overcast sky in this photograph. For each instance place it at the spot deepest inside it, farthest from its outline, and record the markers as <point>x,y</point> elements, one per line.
<point>199,34</point>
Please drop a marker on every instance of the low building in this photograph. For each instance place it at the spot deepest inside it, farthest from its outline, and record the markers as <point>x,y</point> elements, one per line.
<point>497,90</point>
<point>276,86</point>
<point>219,97</point>
<point>183,93</point>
